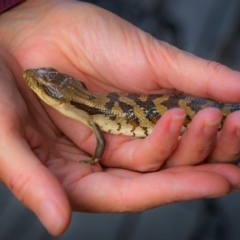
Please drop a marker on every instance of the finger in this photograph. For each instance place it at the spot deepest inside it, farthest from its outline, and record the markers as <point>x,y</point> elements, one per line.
<point>197,143</point>
<point>32,183</point>
<point>227,171</point>
<point>115,193</point>
<point>139,57</point>
<point>227,146</point>
<point>150,153</point>
<point>163,65</point>
<point>175,68</point>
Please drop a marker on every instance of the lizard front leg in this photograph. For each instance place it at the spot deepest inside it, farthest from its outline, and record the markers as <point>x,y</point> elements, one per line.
<point>101,143</point>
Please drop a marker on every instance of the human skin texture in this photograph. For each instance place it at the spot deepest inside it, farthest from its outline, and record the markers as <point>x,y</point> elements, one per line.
<point>40,148</point>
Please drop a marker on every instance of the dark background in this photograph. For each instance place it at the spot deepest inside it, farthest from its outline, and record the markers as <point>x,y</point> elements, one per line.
<point>209,29</point>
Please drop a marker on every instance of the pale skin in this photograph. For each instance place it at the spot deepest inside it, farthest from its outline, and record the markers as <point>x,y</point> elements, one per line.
<point>40,149</point>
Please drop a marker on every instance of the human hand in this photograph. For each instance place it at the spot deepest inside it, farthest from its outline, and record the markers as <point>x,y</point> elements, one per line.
<point>90,46</point>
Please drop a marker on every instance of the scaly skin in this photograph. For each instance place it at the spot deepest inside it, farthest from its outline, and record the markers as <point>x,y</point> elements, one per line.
<point>117,113</point>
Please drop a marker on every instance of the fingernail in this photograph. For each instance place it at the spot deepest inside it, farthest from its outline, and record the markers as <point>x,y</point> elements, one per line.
<point>174,125</point>
<point>50,216</point>
<point>210,128</point>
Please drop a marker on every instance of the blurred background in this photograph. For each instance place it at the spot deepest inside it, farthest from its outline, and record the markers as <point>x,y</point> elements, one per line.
<point>208,28</point>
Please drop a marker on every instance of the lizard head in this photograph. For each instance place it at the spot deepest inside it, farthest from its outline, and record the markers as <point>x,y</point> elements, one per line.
<point>51,85</point>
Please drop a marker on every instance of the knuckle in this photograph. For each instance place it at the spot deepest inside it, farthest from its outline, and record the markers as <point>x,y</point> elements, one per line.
<point>222,157</point>
<point>154,160</point>
<point>214,69</point>
<point>201,152</point>
<point>214,66</point>
<point>19,185</point>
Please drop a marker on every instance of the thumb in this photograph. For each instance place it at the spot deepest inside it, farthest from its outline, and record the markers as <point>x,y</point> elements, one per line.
<point>32,183</point>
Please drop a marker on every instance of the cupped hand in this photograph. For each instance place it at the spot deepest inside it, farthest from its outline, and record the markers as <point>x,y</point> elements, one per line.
<point>108,54</point>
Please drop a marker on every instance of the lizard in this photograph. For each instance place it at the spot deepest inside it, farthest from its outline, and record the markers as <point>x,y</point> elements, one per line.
<point>121,113</point>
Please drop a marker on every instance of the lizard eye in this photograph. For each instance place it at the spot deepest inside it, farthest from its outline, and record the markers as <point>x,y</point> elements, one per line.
<point>52,92</point>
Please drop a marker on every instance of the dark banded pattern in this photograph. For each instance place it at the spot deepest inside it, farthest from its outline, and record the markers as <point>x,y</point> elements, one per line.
<point>117,113</point>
